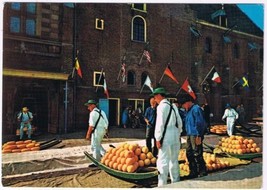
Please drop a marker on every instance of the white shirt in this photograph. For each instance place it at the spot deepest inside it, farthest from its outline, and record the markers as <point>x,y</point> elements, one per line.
<point>103,121</point>
<point>172,134</point>
<point>231,113</point>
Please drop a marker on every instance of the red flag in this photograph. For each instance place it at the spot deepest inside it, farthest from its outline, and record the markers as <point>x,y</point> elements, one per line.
<point>214,76</point>
<point>169,73</point>
<point>78,68</point>
<point>105,87</point>
<point>147,55</point>
<point>186,87</point>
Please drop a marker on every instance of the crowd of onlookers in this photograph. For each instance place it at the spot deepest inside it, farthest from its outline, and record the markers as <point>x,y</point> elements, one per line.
<point>133,118</point>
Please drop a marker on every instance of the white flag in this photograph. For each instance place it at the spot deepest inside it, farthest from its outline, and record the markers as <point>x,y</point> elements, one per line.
<point>148,83</point>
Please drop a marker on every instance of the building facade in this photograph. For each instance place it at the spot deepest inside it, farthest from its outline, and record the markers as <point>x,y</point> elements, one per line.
<point>42,40</point>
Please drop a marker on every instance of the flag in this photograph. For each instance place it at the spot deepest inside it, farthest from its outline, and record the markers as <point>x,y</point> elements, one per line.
<point>148,83</point>
<point>78,68</point>
<point>195,31</point>
<point>169,73</point>
<point>147,55</point>
<point>217,13</point>
<point>244,82</point>
<point>123,71</point>
<point>214,76</point>
<point>186,87</point>
<point>105,87</point>
<point>252,46</point>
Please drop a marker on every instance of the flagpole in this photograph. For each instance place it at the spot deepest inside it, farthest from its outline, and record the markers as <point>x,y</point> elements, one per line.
<point>142,88</point>
<point>207,76</point>
<point>235,84</point>
<point>72,75</point>
<point>181,87</point>
<point>141,58</point>
<point>260,87</point>
<point>119,75</point>
<point>99,80</point>
<point>178,91</point>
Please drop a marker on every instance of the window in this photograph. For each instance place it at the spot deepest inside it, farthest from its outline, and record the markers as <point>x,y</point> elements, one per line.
<point>138,29</point>
<point>99,24</point>
<point>236,51</point>
<point>208,45</point>
<point>31,8</point>
<point>223,21</point>
<point>135,102</point>
<point>30,27</point>
<point>15,24</point>
<point>131,78</point>
<point>97,80</point>
<point>22,18</point>
<point>139,6</point>
<point>15,6</point>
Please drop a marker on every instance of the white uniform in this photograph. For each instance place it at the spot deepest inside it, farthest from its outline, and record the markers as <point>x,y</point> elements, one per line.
<point>99,132</point>
<point>168,153</point>
<point>231,115</point>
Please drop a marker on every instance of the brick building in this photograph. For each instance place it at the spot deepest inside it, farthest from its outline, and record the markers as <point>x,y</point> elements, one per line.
<point>42,40</point>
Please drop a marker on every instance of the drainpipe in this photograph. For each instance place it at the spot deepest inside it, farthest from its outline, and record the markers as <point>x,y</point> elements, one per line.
<point>66,107</point>
<point>74,54</point>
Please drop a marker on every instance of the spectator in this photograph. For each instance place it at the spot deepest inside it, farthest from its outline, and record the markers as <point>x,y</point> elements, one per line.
<point>25,117</point>
<point>125,117</point>
<point>206,110</point>
<point>241,113</point>
<point>150,119</point>
<point>182,113</point>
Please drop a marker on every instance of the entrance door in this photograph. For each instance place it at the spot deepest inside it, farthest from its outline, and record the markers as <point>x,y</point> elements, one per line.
<point>112,109</point>
<point>104,105</point>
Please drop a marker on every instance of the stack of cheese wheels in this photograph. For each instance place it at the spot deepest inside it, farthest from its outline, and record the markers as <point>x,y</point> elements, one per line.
<point>128,157</point>
<point>212,163</point>
<point>219,129</point>
<point>238,145</point>
<point>182,155</point>
<point>20,146</point>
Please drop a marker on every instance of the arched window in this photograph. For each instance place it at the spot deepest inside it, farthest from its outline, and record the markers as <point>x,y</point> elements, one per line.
<point>138,29</point>
<point>208,45</point>
<point>236,52</point>
<point>131,78</point>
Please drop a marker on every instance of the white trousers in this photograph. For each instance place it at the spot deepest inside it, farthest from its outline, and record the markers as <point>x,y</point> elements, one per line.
<point>96,146</point>
<point>230,122</point>
<point>167,162</point>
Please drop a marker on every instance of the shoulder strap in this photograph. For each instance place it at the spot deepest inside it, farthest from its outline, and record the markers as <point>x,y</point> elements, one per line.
<point>28,115</point>
<point>165,126</point>
<point>100,115</point>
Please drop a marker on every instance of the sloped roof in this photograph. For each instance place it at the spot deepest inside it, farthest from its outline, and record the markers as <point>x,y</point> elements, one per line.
<point>234,17</point>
